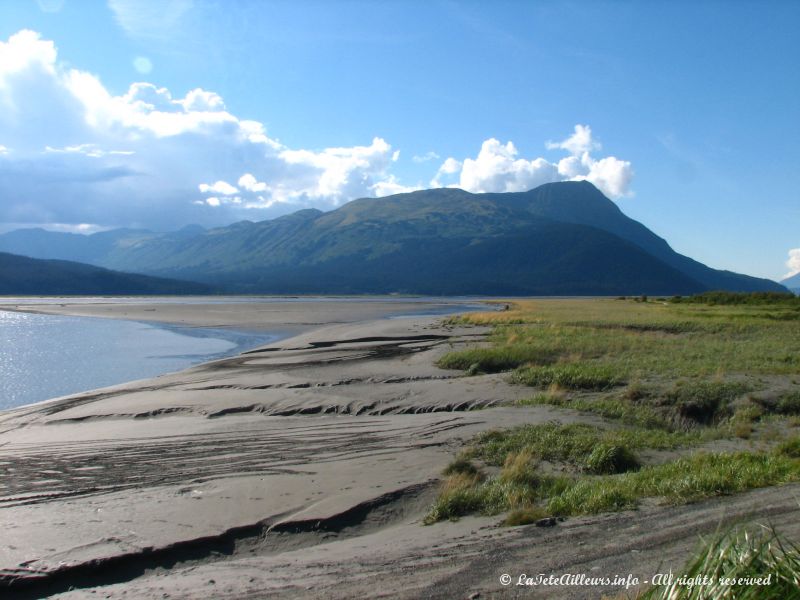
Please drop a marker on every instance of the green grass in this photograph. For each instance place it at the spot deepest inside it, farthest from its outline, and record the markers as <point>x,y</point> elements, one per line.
<point>638,339</point>
<point>669,374</point>
<point>684,480</point>
<point>739,298</point>
<point>520,487</point>
<point>616,408</point>
<point>571,376</point>
<point>572,443</point>
<point>736,556</point>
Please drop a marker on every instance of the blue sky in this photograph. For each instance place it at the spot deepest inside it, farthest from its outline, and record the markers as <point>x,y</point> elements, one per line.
<point>160,114</point>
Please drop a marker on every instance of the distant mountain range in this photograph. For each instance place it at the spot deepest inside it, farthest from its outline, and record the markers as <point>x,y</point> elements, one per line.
<point>793,283</point>
<point>558,239</point>
<point>21,275</point>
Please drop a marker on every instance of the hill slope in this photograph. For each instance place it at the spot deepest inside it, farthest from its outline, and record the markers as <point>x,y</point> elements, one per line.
<point>561,238</point>
<point>21,275</point>
<point>793,283</point>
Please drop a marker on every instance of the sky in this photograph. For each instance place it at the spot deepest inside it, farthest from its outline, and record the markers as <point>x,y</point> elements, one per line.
<point>164,113</point>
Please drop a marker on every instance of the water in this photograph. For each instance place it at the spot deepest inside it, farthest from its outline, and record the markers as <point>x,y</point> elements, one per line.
<point>46,356</point>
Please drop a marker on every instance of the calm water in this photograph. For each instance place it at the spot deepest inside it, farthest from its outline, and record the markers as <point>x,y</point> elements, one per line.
<point>45,356</point>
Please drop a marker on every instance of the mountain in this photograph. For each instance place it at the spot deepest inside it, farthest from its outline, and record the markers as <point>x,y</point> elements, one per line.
<point>21,275</point>
<point>559,238</point>
<point>793,283</point>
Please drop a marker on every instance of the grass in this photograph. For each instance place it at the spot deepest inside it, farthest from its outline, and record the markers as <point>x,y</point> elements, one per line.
<point>669,374</point>
<point>572,444</point>
<point>521,487</point>
<point>740,298</point>
<point>571,376</point>
<point>635,339</point>
<point>686,479</point>
<point>734,565</point>
<point>705,401</point>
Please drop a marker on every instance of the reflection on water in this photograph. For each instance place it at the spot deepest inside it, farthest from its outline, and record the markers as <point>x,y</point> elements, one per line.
<point>45,356</point>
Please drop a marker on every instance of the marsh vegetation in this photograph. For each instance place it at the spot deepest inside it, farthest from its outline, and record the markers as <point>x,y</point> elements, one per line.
<point>696,397</point>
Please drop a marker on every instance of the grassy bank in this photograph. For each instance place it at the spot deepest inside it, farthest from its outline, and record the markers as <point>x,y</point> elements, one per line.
<point>668,376</point>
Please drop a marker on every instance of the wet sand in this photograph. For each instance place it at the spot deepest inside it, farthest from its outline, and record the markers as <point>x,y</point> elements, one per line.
<point>301,469</point>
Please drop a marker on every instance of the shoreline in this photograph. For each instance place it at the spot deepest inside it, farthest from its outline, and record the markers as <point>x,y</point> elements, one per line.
<point>300,469</point>
<point>228,317</point>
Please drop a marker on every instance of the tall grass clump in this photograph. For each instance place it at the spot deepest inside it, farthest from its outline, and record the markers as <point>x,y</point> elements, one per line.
<point>738,565</point>
<point>515,488</point>
<point>687,479</point>
<point>571,376</point>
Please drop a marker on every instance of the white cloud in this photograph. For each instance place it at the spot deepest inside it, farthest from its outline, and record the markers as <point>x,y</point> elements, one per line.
<point>152,158</point>
<point>793,263</point>
<point>390,186</point>
<point>251,184</point>
<point>220,187</point>
<point>77,148</point>
<point>87,150</point>
<point>449,167</point>
<point>498,168</point>
<point>426,157</point>
<point>578,143</point>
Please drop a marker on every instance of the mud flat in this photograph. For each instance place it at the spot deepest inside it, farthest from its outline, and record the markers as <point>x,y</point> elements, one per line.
<point>300,469</point>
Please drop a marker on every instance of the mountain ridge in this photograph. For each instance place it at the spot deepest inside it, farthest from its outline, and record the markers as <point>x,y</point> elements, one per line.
<point>22,275</point>
<point>543,241</point>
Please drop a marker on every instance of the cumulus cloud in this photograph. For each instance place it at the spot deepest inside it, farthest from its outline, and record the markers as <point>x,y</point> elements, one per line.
<point>73,152</point>
<point>220,187</point>
<point>251,184</point>
<point>499,168</point>
<point>793,263</point>
<point>153,158</point>
<point>448,167</point>
<point>579,142</point>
